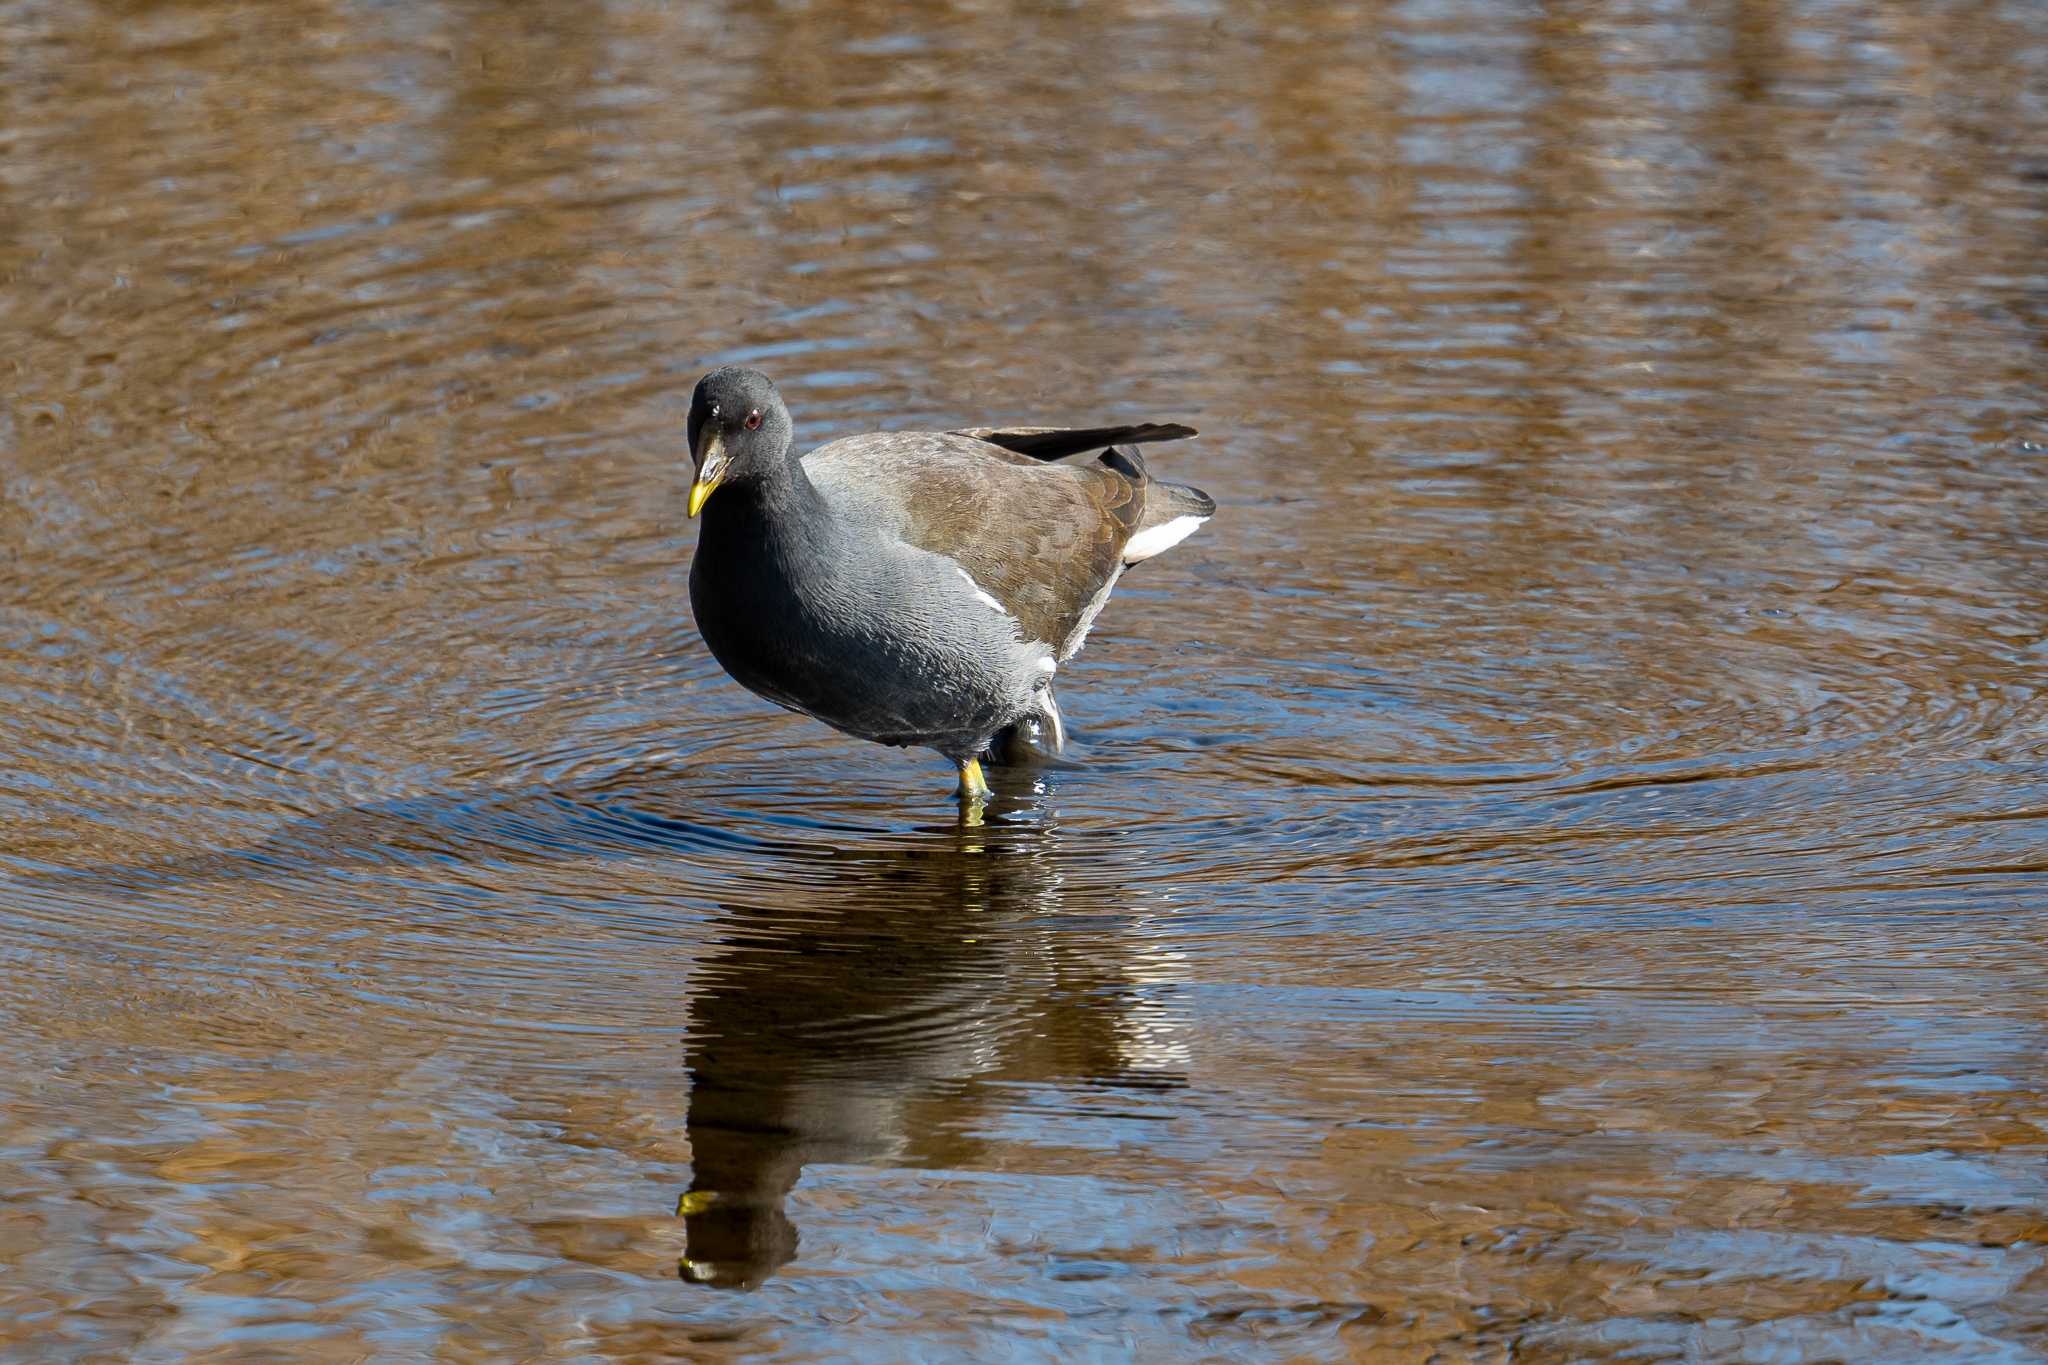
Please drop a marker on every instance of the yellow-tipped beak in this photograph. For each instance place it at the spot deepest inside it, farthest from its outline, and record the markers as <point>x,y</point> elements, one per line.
<point>711,464</point>
<point>700,492</point>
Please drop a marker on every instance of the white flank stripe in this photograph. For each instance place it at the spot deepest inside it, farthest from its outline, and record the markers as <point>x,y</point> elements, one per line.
<point>1145,544</point>
<point>987,598</point>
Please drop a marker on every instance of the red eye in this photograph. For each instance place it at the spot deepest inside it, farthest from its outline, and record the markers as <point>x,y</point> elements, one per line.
<point>754,420</point>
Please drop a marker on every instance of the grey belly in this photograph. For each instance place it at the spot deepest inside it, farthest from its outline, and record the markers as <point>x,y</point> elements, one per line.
<point>892,691</point>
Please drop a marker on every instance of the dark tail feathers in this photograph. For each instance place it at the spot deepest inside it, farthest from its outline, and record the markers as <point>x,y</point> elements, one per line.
<point>1055,443</point>
<point>1182,500</point>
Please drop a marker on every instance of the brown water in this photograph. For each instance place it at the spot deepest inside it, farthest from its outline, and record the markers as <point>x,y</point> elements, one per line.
<point>1558,870</point>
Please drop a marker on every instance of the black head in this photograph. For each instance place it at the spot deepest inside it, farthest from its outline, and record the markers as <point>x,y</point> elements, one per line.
<point>739,430</point>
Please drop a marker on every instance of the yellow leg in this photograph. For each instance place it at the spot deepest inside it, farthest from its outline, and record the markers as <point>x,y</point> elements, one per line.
<point>973,786</point>
<point>973,790</point>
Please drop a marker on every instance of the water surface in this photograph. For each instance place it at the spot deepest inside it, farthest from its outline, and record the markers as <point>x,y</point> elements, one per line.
<point>1555,871</point>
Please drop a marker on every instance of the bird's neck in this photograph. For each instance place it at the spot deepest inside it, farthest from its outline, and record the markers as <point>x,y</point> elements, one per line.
<point>783,489</point>
<point>777,510</point>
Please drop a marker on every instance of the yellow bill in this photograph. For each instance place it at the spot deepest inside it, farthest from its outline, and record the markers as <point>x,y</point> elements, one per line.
<point>711,463</point>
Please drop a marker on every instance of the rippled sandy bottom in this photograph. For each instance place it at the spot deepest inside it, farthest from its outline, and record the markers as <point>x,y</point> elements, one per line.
<point>1554,872</point>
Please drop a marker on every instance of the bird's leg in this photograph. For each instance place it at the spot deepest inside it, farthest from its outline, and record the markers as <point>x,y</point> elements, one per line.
<point>973,786</point>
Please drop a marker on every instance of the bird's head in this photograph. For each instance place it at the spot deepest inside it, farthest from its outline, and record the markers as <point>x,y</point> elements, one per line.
<point>739,429</point>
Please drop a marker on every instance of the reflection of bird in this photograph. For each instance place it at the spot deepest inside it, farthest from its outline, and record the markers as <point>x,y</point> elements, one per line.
<point>914,587</point>
<point>843,1029</point>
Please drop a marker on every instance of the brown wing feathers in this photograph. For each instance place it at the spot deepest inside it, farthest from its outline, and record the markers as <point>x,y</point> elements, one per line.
<point>1044,541</point>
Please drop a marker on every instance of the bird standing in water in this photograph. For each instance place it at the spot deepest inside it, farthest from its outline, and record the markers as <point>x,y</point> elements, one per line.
<point>915,587</point>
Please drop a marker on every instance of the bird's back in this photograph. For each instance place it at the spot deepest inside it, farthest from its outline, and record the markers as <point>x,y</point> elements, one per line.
<point>1042,539</point>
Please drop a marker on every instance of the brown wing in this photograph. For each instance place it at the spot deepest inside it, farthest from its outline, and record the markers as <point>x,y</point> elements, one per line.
<point>1042,535</point>
<point>1042,539</point>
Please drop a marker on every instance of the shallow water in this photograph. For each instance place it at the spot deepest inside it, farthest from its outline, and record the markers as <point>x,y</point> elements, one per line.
<point>1555,871</point>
